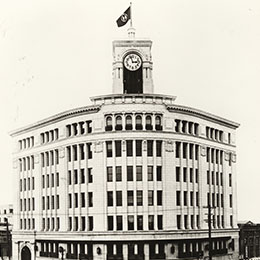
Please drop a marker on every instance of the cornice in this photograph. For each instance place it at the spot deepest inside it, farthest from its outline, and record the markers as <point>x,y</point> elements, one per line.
<point>56,118</point>
<point>202,114</point>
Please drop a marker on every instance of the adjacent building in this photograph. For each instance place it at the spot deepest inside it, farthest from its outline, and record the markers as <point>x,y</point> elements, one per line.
<point>249,243</point>
<point>128,177</point>
<point>6,225</point>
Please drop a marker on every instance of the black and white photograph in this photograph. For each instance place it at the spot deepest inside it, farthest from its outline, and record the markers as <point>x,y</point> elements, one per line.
<point>130,130</point>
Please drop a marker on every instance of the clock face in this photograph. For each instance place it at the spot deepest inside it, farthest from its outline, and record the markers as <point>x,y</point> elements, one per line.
<point>132,62</point>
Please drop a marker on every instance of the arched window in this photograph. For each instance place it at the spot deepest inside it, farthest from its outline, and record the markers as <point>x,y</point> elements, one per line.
<point>148,123</point>
<point>128,125</point>
<point>158,123</point>
<point>109,123</point>
<point>138,123</point>
<point>119,123</point>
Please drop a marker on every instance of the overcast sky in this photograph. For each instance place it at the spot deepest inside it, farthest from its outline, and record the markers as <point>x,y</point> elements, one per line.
<point>55,54</point>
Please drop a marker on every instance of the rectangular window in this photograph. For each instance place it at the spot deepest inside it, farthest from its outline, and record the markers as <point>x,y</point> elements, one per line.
<point>52,202</point>
<point>151,222</point>
<point>130,198</point>
<point>208,177</point>
<point>75,176</point>
<point>70,223</point>
<point>118,173</point>
<point>90,223</point>
<point>178,198</point>
<point>83,223</point>
<point>90,175</point>
<point>150,173</point>
<point>139,173</point>
<point>230,180</point>
<point>109,149</point>
<point>76,200</point>
<point>118,148</point>
<point>57,202</point>
<point>57,180</point>
<point>119,198</point>
<point>177,149</point>
<point>129,148</point>
<point>130,222</point>
<point>159,198</point>
<point>75,152</point>
<point>185,221</point>
<point>231,221</point>
<point>159,173</point>
<point>139,196</point>
<point>110,224</point>
<point>110,198</point>
<point>197,175</point>
<point>83,203</point>
<point>160,222</point>
<point>109,174</point>
<point>139,222</point>
<point>158,148</point>
<point>81,152</point>
<point>76,223</point>
<point>178,221</point>
<point>48,181</point>
<point>191,198</point>
<point>184,150</point>
<point>129,173</point>
<point>230,201</point>
<point>150,198</point>
<point>138,147</point>
<point>212,178</point>
<point>185,198</point>
<point>90,199</point>
<point>178,174</point>
<point>82,175</point>
<point>191,175</point>
<point>57,157</point>
<point>69,177</point>
<point>89,150</point>
<point>70,201</point>
<point>221,179</point>
<point>191,151</point>
<point>150,148</point>
<point>196,152</point>
<point>185,174</point>
<point>217,178</point>
<point>119,223</point>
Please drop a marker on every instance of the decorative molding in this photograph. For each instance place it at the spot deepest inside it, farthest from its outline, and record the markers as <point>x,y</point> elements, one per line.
<point>202,114</point>
<point>61,152</point>
<point>234,157</point>
<point>144,145</point>
<point>227,156</point>
<point>169,146</point>
<point>56,118</point>
<point>203,151</point>
<point>123,145</point>
<point>98,147</point>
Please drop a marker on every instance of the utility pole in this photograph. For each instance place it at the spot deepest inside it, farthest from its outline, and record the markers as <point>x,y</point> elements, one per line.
<point>209,225</point>
<point>7,238</point>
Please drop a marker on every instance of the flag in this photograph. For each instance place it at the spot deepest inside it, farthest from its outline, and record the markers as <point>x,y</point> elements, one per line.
<point>124,18</point>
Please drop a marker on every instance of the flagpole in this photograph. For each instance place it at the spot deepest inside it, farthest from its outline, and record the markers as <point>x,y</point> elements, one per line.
<point>131,22</point>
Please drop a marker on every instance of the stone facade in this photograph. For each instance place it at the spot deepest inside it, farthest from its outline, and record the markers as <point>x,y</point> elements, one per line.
<point>126,178</point>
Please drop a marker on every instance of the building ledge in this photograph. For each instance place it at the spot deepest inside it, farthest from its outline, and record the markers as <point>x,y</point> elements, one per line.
<point>133,99</point>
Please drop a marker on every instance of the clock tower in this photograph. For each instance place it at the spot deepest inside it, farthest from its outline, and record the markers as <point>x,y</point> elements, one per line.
<point>132,65</point>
